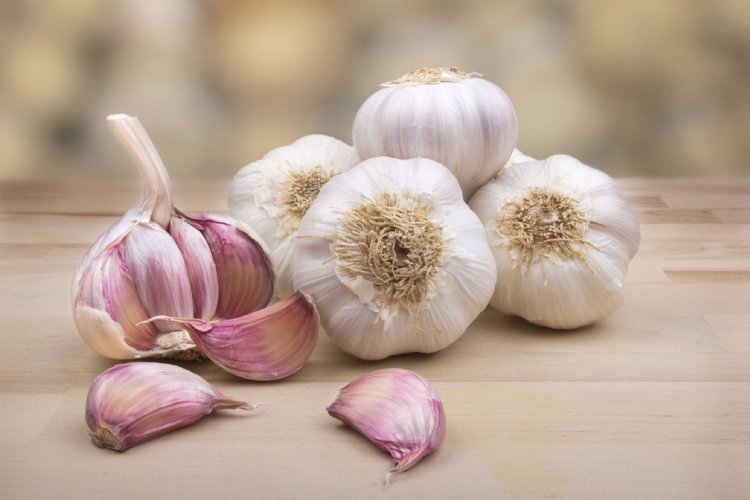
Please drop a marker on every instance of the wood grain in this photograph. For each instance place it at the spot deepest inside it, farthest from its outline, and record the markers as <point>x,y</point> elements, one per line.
<point>652,403</point>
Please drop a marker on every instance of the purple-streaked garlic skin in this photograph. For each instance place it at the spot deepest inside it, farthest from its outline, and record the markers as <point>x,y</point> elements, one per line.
<point>133,402</point>
<point>244,270</point>
<point>269,344</point>
<point>395,409</point>
<point>156,261</point>
<point>201,269</point>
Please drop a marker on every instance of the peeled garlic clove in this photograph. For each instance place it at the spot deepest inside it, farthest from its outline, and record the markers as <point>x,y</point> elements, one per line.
<point>397,410</point>
<point>268,344</point>
<point>458,119</point>
<point>204,281</point>
<point>272,194</point>
<point>394,259</point>
<point>133,402</point>
<point>243,269</point>
<point>562,237</point>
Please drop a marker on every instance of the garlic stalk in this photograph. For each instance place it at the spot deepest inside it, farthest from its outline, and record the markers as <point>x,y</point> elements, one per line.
<point>393,258</point>
<point>273,194</point>
<point>458,119</point>
<point>562,237</point>
<point>133,402</point>
<point>397,410</point>
<point>156,260</point>
<point>268,344</point>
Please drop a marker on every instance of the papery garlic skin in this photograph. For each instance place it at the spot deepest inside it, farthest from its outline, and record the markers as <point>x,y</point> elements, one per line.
<point>133,402</point>
<point>460,120</point>
<point>269,344</point>
<point>272,195</point>
<point>393,258</point>
<point>575,275</point>
<point>397,410</point>
<point>156,260</point>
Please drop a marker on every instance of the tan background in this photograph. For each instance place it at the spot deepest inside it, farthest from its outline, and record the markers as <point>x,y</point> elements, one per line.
<point>637,88</point>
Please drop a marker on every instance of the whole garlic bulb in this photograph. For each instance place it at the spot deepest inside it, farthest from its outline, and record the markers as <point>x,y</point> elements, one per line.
<point>156,260</point>
<point>272,195</point>
<point>464,122</point>
<point>393,258</point>
<point>562,237</point>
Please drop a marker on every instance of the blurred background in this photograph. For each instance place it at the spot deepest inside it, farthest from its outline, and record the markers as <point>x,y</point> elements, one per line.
<point>634,87</point>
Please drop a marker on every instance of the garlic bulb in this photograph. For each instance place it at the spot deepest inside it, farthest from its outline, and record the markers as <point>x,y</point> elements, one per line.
<point>157,261</point>
<point>268,344</point>
<point>393,258</point>
<point>458,119</point>
<point>134,402</point>
<point>397,410</point>
<point>272,195</point>
<point>562,237</point>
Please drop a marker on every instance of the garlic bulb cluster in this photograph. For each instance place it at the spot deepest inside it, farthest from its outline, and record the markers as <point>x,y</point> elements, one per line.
<point>156,260</point>
<point>397,410</point>
<point>458,119</point>
<point>133,402</point>
<point>268,344</point>
<point>394,259</point>
<point>272,195</point>
<point>562,237</point>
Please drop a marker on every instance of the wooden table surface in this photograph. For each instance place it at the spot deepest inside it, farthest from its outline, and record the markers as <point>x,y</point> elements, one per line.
<point>653,402</point>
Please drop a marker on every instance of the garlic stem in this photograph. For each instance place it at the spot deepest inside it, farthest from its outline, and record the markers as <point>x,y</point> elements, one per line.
<point>157,187</point>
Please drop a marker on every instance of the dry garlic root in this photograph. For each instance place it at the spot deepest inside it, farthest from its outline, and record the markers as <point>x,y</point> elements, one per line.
<point>156,260</point>
<point>272,195</point>
<point>397,410</point>
<point>562,237</point>
<point>393,258</point>
<point>458,119</point>
<point>133,402</point>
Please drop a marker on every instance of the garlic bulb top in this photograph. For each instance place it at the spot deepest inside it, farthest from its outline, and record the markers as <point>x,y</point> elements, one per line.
<point>393,258</point>
<point>156,260</point>
<point>562,237</point>
<point>458,119</point>
<point>272,195</point>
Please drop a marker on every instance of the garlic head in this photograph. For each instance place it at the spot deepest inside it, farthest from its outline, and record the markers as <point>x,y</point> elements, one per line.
<point>458,119</point>
<point>562,237</point>
<point>273,194</point>
<point>394,259</point>
<point>155,260</point>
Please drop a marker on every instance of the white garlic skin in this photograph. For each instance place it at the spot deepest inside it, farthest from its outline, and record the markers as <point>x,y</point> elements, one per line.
<point>553,292</point>
<point>257,193</point>
<point>350,316</point>
<point>467,124</point>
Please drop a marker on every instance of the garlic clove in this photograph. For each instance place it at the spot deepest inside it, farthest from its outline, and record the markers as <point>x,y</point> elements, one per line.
<point>133,402</point>
<point>159,273</point>
<point>397,410</point>
<point>244,271</point>
<point>204,281</point>
<point>268,344</point>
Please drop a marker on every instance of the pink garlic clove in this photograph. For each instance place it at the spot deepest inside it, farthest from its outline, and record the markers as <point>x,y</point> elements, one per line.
<point>264,345</point>
<point>397,410</point>
<point>244,270</point>
<point>133,402</point>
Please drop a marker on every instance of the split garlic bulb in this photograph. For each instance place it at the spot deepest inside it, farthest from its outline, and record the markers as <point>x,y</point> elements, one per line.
<point>272,195</point>
<point>458,119</point>
<point>156,260</point>
<point>394,259</point>
<point>562,237</point>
